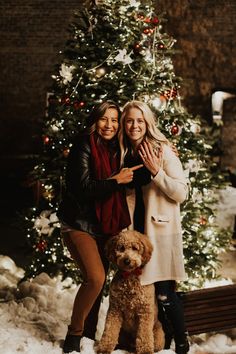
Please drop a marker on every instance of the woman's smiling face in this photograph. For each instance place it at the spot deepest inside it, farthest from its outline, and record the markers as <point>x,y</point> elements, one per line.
<point>107,126</point>
<point>135,126</point>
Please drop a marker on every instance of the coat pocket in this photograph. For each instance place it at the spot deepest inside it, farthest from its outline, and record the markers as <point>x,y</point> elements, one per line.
<point>160,219</point>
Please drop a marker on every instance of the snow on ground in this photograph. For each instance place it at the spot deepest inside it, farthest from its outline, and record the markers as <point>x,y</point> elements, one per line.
<point>34,317</point>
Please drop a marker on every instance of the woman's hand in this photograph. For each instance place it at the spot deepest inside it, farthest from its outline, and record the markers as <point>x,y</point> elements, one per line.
<point>126,174</point>
<point>151,159</point>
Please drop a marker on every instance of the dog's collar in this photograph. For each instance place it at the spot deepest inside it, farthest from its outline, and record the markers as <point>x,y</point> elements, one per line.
<point>136,271</point>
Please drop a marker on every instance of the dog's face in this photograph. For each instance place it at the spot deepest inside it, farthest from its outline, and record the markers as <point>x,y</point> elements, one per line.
<point>129,250</point>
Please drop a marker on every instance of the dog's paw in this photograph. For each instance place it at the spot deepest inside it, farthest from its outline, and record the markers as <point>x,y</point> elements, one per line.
<point>100,351</point>
<point>145,350</point>
<point>103,350</point>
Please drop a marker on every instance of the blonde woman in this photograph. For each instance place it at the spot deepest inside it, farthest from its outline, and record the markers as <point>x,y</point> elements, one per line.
<point>154,199</point>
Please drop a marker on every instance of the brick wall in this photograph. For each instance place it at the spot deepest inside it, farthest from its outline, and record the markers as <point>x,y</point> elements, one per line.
<point>32,32</point>
<point>205,33</point>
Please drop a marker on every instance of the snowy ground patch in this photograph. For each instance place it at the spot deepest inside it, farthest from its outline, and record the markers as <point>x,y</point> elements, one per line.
<point>34,317</point>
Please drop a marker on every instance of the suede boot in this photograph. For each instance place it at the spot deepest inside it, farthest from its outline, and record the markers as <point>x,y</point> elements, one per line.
<point>71,343</point>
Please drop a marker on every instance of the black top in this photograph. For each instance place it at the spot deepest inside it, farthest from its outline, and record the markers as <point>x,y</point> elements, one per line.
<point>77,208</point>
<point>142,177</point>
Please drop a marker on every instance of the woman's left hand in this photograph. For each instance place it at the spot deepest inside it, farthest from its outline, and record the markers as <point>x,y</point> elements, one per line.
<point>151,159</point>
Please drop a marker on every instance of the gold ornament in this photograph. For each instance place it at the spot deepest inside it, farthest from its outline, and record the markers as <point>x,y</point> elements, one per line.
<point>48,192</point>
<point>100,72</point>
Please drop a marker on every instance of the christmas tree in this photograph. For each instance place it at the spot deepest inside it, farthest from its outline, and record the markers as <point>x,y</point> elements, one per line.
<point>119,50</point>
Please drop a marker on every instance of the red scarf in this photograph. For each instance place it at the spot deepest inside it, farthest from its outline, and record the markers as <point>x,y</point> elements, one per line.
<point>112,211</point>
<point>136,272</point>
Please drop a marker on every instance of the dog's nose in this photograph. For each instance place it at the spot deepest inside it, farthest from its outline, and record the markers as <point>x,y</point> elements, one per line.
<point>126,261</point>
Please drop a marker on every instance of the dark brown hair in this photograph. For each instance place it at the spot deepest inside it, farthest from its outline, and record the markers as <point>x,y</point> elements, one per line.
<point>98,112</point>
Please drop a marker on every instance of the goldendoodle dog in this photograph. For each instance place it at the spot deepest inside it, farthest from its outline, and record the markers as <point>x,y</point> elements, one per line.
<point>132,306</point>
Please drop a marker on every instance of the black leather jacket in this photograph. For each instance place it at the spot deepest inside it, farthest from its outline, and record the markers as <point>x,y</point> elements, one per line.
<point>77,208</point>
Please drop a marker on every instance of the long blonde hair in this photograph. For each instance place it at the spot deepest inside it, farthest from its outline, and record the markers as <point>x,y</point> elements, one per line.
<point>153,134</point>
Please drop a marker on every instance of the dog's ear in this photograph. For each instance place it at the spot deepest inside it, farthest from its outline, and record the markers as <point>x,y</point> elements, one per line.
<point>110,248</point>
<point>147,248</point>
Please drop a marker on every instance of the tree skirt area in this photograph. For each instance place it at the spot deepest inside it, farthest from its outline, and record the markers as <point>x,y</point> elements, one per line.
<point>34,317</point>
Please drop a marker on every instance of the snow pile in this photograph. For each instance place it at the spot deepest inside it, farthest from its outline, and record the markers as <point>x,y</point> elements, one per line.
<point>34,316</point>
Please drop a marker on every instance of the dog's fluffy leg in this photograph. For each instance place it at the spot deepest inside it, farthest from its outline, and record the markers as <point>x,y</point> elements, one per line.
<point>144,339</point>
<point>159,336</point>
<point>111,332</point>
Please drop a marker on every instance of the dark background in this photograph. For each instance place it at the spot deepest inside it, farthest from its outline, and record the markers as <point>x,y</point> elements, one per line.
<point>32,33</point>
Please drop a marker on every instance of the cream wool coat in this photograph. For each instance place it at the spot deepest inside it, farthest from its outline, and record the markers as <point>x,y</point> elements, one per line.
<point>162,198</point>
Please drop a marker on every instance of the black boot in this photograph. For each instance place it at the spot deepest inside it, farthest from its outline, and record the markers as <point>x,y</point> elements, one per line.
<point>182,345</point>
<point>71,343</point>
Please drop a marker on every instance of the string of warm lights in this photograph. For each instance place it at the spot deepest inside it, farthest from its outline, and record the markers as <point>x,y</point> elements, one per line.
<point>118,50</point>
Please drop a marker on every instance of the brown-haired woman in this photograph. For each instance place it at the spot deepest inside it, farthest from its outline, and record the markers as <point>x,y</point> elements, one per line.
<point>93,208</point>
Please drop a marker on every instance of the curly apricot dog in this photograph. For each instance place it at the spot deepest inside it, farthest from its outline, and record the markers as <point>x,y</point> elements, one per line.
<point>132,306</point>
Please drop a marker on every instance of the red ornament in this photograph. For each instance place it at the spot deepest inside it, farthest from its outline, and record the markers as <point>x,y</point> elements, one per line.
<point>65,100</point>
<point>174,129</point>
<point>41,246</point>
<point>46,139</point>
<point>137,48</point>
<point>171,93</point>
<point>155,20</point>
<point>147,20</point>
<point>78,105</point>
<point>140,17</point>
<point>148,31</point>
<point>203,220</point>
<point>160,46</point>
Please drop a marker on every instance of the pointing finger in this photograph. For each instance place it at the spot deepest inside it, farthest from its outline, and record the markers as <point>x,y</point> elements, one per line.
<point>134,168</point>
